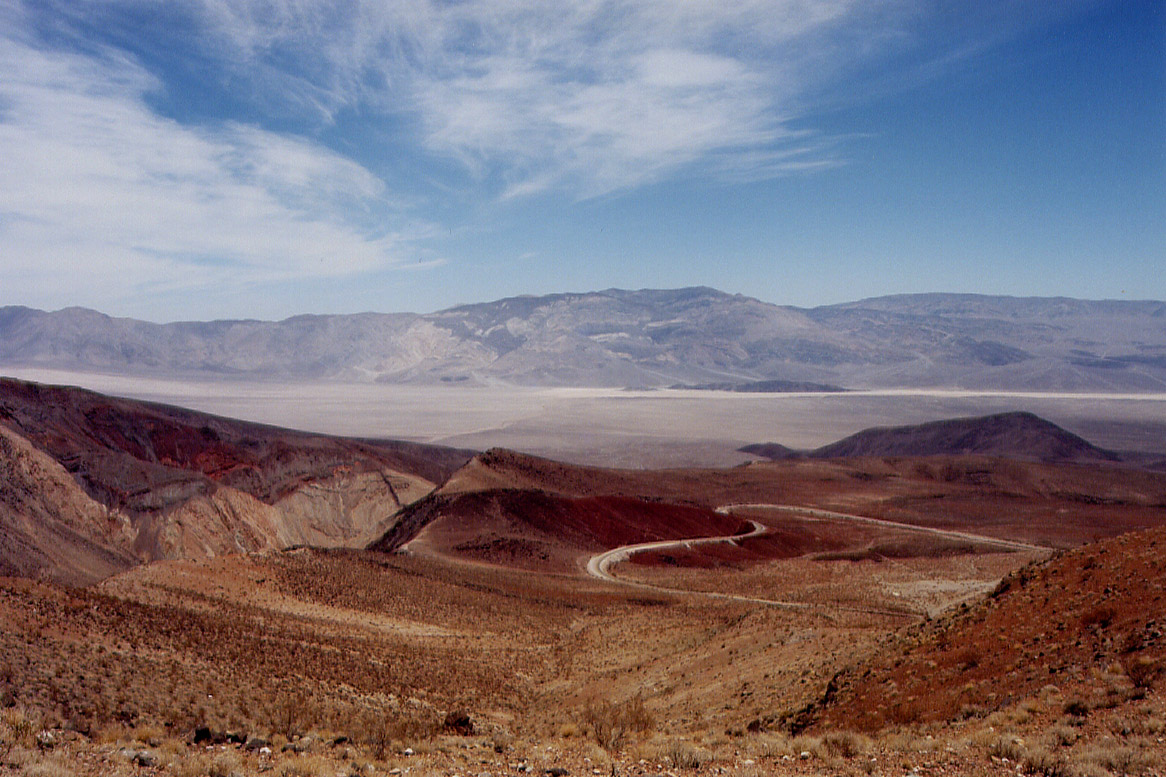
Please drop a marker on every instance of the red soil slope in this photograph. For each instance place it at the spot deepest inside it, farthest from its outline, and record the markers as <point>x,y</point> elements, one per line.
<point>1091,621</point>
<point>537,529</point>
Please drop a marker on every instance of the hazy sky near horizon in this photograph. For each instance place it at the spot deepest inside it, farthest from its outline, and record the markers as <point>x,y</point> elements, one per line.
<point>196,159</point>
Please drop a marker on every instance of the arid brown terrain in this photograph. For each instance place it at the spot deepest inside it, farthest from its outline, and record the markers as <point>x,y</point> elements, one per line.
<point>887,612</point>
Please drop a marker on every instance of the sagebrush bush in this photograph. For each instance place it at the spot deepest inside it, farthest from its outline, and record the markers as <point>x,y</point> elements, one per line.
<point>684,755</point>
<point>225,764</point>
<point>1062,735</point>
<point>1040,760</point>
<point>1141,670</point>
<point>1121,759</point>
<point>846,744</point>
<point>612,722</point>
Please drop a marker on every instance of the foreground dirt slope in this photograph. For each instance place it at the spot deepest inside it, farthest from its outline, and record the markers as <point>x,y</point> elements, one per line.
<point>160,482</point>
<point>1091,621</point>
<point>336,658</point>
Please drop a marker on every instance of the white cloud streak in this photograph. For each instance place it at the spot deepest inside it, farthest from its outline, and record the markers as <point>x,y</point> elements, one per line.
<point>101,197</point>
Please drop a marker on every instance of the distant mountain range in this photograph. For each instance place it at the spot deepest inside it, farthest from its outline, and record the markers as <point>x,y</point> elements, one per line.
<point>695,337</point>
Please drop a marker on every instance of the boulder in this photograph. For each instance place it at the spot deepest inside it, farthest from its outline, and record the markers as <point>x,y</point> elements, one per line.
<point>255,743</point>
<point>147,759</point>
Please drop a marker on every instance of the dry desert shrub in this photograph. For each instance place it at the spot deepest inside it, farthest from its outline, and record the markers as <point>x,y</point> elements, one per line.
<point>291,714</point>
<point>19,758</point>
<point>845,744</point>
<point>807,744</point>
<point>1062,735</point>
<point>502,741</point>
<point>225,764</point>
<point>149,735</point>
<point>1141,670</point>
<point>1008,746</point>
<point>1042,761</point>
<point>306,766</point>
<point>17,727</point>
<point>683,755</point>
<point>1118,758</point>
<point>111,734</point>
<point>612,722</point>
<point>382,730</point>
<point>193,765</point>
<point>751,770</point>
<point>1149,723</point>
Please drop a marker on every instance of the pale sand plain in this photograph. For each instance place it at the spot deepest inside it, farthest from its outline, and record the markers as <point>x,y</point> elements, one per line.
<point>613,427</point>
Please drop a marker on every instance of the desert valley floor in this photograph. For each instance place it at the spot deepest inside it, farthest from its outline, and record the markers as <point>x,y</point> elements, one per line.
<point>982,611</point>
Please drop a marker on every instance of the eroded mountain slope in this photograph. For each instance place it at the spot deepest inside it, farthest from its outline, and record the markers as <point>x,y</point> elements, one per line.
<point>129,481</point>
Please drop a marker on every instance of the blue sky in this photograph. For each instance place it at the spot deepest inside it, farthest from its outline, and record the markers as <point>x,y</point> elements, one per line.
<point>194,159</point>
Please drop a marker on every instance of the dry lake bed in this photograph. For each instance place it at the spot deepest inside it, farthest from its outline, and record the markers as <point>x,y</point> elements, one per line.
<point>614,427</point>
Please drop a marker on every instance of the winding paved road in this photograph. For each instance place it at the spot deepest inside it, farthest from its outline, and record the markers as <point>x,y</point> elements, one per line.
<point>599,565</point>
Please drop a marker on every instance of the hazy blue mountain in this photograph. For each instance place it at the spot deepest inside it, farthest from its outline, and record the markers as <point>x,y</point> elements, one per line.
<point>647,338</point>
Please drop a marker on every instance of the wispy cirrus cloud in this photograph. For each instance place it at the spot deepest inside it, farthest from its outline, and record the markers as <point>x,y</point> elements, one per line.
<point>592,97</point>
<point>596,96</point>
<point>181,145</point>
<point>99,195</point>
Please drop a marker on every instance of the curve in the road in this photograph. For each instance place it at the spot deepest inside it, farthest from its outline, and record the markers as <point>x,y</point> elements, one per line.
<point>599,565</point>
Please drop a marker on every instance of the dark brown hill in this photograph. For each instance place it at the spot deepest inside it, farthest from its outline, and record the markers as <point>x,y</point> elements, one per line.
<point>511,508</point>
<point>145,481</point>
<point>1012,435</point>
<point>771,450</point>
<point>49,527</point>
<point>1004,435</point>
<point>1091,621</point>
<point>537,529</point>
